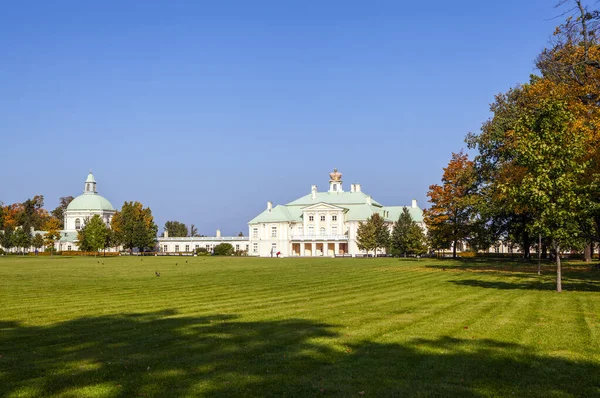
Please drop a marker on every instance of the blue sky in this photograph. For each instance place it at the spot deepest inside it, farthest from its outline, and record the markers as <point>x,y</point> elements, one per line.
<point>204,111</point>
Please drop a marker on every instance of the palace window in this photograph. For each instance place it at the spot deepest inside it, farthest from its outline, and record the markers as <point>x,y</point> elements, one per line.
<point>207,248</point>
<point>311,230</point>
<point>311,218</point>
<point>237,248</point>
<point>273,232</point>
<point>165,248</point>
<point>496,249</point>
<point>333,218</point>
<point>177,248</point>
<point>300,230</point>
<point>187,248</point>
<point>334,230</point>
<point>255,232</point>
<point>255,247</point>
<point>322,231</point>
<point>196,247</point>
<point>322,218</point>
<point>274,248</point>
<point>69,248</point>
<point>247,246</point>
<point>77,223</point>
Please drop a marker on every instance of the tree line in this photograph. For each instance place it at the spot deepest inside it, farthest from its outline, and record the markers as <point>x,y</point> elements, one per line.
<point>534,179</point>
<point>131,227</point>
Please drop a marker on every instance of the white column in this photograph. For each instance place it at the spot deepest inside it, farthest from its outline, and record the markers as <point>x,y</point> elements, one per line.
<point>327,223</point>
<point>313,247</point>
<point>336,249</point>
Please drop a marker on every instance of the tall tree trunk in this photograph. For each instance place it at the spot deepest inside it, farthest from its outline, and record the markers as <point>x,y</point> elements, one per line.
<point>587,253</point>
<point>454,249</point>
<point>558,270</point>
<point>539,250</point>
<point>526,246</point>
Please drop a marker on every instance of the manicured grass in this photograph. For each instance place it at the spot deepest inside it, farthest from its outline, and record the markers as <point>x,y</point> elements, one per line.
<point>85,327</point>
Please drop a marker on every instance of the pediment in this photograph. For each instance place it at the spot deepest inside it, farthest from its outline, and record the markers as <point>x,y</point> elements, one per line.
<point>322,206</point>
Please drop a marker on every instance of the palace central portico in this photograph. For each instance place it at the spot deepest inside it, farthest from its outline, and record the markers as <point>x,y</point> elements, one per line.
<point>320,223</point>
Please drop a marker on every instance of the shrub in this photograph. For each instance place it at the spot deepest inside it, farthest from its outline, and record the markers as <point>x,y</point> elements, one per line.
<point>223,249</point>
<point>201,251</point>
<point>2,252</point>
<point>467,254</point>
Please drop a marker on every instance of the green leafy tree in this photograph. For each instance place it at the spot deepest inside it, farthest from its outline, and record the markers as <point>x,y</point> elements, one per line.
<point>372,234</point>
<point>176,229</point>
<point>551,155</point>
<point>194,231</point>
<point>7,238</point>
<point>22,238</point>
<point>223,249</point>
<point>59,211</point>
<point>134,226</point>
<point>93,236</point>
<point>37,241</point>
<point>407,237</point>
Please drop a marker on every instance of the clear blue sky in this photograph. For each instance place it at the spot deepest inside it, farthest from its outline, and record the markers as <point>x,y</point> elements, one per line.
<point>205,110</point>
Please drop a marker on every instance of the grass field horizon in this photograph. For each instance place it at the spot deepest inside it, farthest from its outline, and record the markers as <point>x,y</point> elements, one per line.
<point>214,326</point>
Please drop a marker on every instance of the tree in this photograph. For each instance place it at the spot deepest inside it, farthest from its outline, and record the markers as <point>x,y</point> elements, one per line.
<point>194,231</point>
<point>52,228</point>
<point>551,154</point>
<point>448,219</point>
<point>37,241</point>
<point>223,249</point>
<point>22,239</point>
<point>7,238</point>
<point>93,236</point>
<point>407,237</point>
<point>176,229</point>
<point>59,211</point>
<point>134,226</point>
<point>372,234</point>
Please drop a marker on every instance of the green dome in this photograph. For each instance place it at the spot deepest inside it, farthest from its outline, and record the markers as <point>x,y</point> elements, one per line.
<point>89,201</point>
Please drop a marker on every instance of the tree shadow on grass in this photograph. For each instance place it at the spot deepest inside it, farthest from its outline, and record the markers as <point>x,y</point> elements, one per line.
<point>162,354</point>
<point>542,284</point>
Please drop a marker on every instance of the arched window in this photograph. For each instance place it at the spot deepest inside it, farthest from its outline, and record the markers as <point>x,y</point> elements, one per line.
<point>77,223</point>
<point>322,230</point>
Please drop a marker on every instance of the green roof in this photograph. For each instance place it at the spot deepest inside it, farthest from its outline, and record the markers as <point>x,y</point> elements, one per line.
<point>90,201</point>
<point>276,214</point>
<point>334,198</point>
<point>395,211</point>
<point>69,237</point>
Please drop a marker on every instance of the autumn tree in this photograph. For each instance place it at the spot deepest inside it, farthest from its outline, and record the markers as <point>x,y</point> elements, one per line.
<point>372,234</point>
<point>176,229</point>
<point>59,211</point>
<point>52,228</point>
<point>134,226</point>
<point>448,219</point>
<point>407,237</point>
<point>93,236</point>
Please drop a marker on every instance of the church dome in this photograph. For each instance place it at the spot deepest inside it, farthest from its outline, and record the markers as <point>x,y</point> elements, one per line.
<point>90,200</point>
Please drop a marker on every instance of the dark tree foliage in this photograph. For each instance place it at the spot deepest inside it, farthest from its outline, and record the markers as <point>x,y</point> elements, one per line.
<point>223,249</point>
<point>407,237</point>
<point>176,229</point>
<point>59,212</point>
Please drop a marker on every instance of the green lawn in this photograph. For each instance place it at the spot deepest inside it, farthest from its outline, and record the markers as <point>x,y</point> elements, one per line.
<point>108,327</point>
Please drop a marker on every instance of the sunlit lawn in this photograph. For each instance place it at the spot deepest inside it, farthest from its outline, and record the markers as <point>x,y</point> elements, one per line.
<point>108,327</point>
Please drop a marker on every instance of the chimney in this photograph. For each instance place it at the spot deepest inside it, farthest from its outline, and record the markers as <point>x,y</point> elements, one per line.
<point>356,187</point>
<point>269,205</point>
<point>414,204</point>
<point>166,234</point>
<point>351,187</point>
<point>218,233</point>
<point>313,192</point>
<point>368,199</point>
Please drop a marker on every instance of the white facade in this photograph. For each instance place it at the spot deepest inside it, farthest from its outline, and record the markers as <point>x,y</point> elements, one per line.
<point>320,223</point>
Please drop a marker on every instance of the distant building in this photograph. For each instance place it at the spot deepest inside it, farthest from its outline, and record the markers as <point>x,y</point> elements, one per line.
<point>167,244</point>
<point>320,223</point>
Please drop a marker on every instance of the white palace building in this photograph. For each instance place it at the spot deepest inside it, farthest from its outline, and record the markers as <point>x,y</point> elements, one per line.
<point>320,223</point>
<point>317,224</point>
